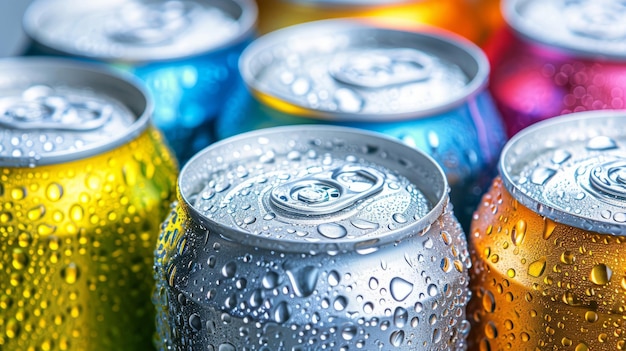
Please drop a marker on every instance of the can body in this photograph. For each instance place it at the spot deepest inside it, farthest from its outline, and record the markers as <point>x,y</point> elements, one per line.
<point>283,281</point>
<point>459,16</point>
<point>537,76</point>
<point>540,282</point>
<point>78,230</point>
<point>189,78</point>
<point>465,136</point>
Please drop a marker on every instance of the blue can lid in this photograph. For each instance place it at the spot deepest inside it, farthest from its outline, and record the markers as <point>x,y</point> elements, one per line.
<point>351,70</point>
<point>139,31</point>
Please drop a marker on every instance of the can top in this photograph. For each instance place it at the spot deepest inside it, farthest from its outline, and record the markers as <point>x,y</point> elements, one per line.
<point>588,28</point>
<point>59,110</point>
<point>313,188</point>
<point>139,30</point>
<point>572,169</point>
<point>351,70</point>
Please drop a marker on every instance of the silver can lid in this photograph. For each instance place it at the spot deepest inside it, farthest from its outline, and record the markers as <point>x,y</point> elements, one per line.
<point>589,28</point>
<point>310,188</point>
<point>58,110</point>
<point>572,169</point>
<point>351,70</point>
<point>139,30</point>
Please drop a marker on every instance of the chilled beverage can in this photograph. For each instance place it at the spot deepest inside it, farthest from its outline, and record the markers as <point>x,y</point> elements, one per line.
<point>547,241</point>
<point>558,57</point>
<point>85,182</point>
<point>427,89</point>
<point>185,52</point>
<point>472,19</point>
<point>311,238</point>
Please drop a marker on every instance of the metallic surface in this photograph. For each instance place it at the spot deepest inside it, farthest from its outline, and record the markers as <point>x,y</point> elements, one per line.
<point>552,61</point>
<point>262,248</point>
<point>467,18</point>
<point>426,89</point>
<point>547,246</point>
<point>78,226</point>
<point>188,73</point>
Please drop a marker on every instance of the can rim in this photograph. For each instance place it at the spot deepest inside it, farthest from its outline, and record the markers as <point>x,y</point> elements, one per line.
<point>476,84</point>
<point>248,19</point>
<point>143,109</point>
<point>515,21</point>
<point>544,208</point>
<point>250,239</point>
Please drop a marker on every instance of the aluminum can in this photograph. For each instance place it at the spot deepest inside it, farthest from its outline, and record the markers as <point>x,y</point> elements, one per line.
<point>85,182</point>
<point>165,43</point>
<point>547,242</point>
<point>471,19</point>
<point>427,89</point>
<point>311,238</point>
<point>558,57</point>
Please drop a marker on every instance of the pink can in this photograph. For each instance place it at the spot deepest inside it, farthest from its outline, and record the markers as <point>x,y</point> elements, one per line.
<point>558,57</point>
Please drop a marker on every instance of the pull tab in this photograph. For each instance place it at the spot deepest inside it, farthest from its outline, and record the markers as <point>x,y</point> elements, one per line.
<point>150,24</point>
<point>328,192</point>
<point>40,108</point>
<point>610,178</point>
<point>598,19</point>
<point>381,68</point>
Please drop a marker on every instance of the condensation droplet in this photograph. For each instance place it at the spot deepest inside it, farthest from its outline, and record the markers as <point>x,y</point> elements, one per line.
<point>348,100</point>
<point>537,268</point>
<point>363,224</point>
<point>282,312</point>
<point>601,143</point>
<point>560,156</point>
<point>400,289</point>
<point>397,338</point>
<point>489,302</point>
<point>600,274</point>
<point>332,230</point>
<point>54,192</point>
<point>195,323</point>
<point>541,175</point>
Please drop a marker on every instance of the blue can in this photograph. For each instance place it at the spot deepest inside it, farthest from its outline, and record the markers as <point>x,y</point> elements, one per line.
<point>185,51</point>
<point>426,88</point>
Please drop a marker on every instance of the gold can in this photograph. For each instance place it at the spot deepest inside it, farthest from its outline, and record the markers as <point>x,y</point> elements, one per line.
<point>547,241</point>
<point>85,182</point>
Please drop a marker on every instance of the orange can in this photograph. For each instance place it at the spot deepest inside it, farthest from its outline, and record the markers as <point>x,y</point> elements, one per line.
<point>473,19</point>
<point>547,242</point>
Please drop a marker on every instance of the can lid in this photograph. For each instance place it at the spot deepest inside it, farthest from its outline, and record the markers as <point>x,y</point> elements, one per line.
<point>589,28</point>
<point>59,110</point>
<point>139,30</point>
<point>351,70</point>
<point>313,188</point>
<point>572,169</point>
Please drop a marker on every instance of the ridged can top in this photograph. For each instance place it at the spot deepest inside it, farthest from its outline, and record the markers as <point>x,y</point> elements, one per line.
<point>139,30</point>
<point>58,110</point>
<point>572,169</point>
<point>351,70</point>
<point>589,28</point>
<point>310,188</point>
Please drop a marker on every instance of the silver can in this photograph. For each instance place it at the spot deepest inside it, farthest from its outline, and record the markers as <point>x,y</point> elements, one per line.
<point>311,238</point>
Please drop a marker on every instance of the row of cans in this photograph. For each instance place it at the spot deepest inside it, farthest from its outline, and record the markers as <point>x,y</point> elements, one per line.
<point>294,237</point>
<point>423,85</point>
<point>425,88</point>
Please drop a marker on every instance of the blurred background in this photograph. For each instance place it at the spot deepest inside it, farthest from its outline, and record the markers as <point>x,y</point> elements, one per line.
<point>11,35</point>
